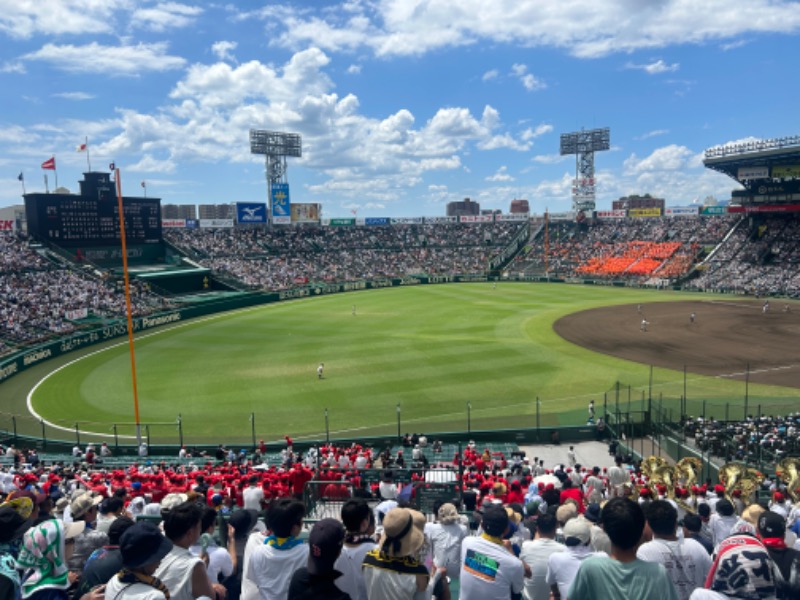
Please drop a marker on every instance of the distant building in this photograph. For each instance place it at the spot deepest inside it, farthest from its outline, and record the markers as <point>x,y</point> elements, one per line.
<point>217,211</point>
<point>520,207</point>
<point>178,211</point>
<point>646,201</point>
<point>465,208</point>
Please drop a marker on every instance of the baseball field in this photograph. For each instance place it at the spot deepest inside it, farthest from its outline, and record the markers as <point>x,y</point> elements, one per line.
<point>433,358</point>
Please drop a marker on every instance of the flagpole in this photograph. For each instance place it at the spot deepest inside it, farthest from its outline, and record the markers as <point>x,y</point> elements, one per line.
<point>55,171</point>
<point>22,181</point>
<point>88,162</point>
<point>128,310</point>
<point>46,189</point>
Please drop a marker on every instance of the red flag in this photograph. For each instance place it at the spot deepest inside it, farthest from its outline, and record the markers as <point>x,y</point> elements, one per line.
<point>49,164</point>
<point>80,148</point>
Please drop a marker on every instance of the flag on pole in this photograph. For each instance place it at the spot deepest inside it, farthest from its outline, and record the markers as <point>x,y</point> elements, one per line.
<point>81,148</point>
<point>144,185</point>
<point>112,167</point>
<point>21,177</point>
<point>49,164</point>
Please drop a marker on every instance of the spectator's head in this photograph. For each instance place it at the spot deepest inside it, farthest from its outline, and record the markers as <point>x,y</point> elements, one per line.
<point>324,546</point>
<point>623,521</point>
<point>111,506</point>
<point>84,508</point>
<point>117,528</point>
<point>662,518</point>
<point>356,515</point>
<point>565,512</point>
<point>495,520</point>
<point>243,522</point>
<point>741,569</point>
<point>448,514</point>
<point>692,524</point>
<point>285,517</point>
<point>142,547</point>
<point>724,507</point>
<point>182,524</point>
<point>592,513</point>
<point>577,532</point>
<point>208,522</point>
<point>403,532</point>
<point>771,525</point>
<point>546,526</point>
<point>704,511</point>
<point>12,524</point>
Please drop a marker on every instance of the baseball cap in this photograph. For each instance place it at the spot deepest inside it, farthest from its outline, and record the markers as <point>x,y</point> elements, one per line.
<point>579,529</point>
<point>324,545</point>
<point>143,544</point>
<point>771,525</point>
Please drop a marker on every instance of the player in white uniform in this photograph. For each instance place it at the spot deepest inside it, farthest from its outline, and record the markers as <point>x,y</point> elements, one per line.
<point>320,369</point>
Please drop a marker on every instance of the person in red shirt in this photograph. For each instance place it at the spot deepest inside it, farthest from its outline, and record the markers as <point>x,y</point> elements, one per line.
<point>571,493</point>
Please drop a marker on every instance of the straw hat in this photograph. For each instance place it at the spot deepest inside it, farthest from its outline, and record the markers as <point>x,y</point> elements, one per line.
<point>403,532</point>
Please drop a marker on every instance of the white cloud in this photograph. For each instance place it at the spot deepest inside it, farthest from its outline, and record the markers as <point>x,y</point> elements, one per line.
<point>652,134</point>
<point>74,95</point>
<point>500,175</point>
<point>13,67</point>
<point>164,16</point>
<point>23,19</point>
<point>538,131</point>
<point>354,69</point>
<point>528,80</point>
<point>668,158</point>
<point>550,159</point>
<point>109,60</point>
<point>655,68</point>
<point>584,28</point>
<point>224,51</point>
<point>489,75</point>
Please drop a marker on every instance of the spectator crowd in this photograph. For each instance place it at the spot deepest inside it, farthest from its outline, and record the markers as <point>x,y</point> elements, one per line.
<point>232,526</point>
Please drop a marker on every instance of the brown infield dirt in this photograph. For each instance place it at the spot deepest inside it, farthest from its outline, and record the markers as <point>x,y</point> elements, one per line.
<point>725,336</point>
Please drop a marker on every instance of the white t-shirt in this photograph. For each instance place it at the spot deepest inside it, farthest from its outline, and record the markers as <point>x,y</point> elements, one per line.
<point>535,555</point>
<point>115,590</point>
<point>219,561</point>
<point>720,527</point>
<point>349,564</point>
<point>489,571</point>
<point>686,561</point>
<point>252,497</point>
<point>446,540</point>
<point>563,566</point>
<point>271,569</point>
<point>175,570</point>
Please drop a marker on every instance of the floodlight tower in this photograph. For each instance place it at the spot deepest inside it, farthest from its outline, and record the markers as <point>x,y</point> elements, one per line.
<point>584,144</point>
<point>275,147</point>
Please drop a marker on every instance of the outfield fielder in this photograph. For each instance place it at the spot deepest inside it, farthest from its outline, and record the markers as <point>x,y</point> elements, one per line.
<point>320,368</point>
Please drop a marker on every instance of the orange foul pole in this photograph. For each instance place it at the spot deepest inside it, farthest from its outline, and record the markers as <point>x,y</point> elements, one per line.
<point>128,310</point>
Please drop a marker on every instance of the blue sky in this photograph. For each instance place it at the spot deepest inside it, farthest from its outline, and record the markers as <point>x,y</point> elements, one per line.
<point>403,105</point>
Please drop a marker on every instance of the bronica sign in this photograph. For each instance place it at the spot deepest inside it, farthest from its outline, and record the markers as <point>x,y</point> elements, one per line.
<point>251,212</point>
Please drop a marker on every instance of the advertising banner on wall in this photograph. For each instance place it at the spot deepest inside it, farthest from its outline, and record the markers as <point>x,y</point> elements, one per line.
<point>639,213</point>
<point>786,171</point>
<point>281,206</point>
<point>376,221</point>
<point>682,211</point>
<point>433,220</point>
<point>611,214</point>
<point>765,208</point>
<point>305,213</point>
<point>192,224</point>
<point>251,213</point>
<point>216,223</point>
<point>173,223</point>
<point>476,219</point>
<point>714,210</point>
<point>752,173</point>
<point>512,217</point>
<point>8,225</point>
<point>342,222</point>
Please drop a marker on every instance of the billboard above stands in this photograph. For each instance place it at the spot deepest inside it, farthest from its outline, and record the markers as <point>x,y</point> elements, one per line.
<point>765,208</point>
<point>342,222</point>
<point>752,173</point>
<point>512,217</point>
<point>305,213</point>
<point>281,205</point>
<point>714,210</point>
<point>476,219</point>
<point>376,221</point>
<point>682,211</point>
<point>216,223</point>
<point>192,224</point>
<point>611,214</point>
<point>640,213</point>
<point>407,220</point>
<point>173,223</point>
<point>250,213</point>
<point>561,216</point>
<point>8,225</point>
<point>432,220</point>
<point>786,171</point>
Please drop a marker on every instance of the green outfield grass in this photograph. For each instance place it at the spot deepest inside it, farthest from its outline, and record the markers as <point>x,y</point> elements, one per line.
<point>431,348</point>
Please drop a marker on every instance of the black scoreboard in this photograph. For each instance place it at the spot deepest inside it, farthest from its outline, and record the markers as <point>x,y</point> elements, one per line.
<point>92,219</point>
